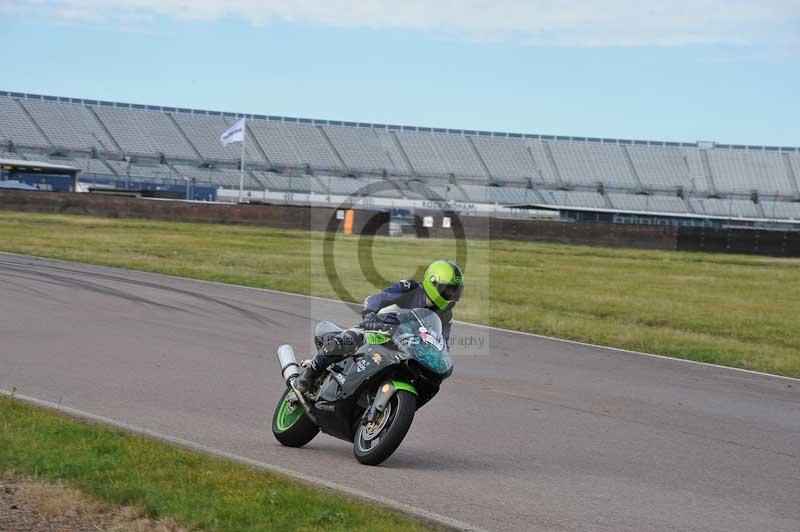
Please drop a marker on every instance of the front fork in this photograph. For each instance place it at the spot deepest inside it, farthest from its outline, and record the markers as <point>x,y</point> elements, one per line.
<point>382,398</point>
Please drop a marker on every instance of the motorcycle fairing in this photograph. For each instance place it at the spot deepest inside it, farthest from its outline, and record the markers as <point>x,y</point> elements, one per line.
<point>341,389</point>
<point>368,361</point>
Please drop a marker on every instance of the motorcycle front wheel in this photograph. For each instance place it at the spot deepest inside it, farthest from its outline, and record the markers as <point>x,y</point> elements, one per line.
<point>375,442</point>
<point>290,424</point>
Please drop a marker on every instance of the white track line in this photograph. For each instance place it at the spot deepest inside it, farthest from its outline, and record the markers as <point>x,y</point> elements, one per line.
<point>620,350</point>
<point>417,513</point>
<point>499,329</point>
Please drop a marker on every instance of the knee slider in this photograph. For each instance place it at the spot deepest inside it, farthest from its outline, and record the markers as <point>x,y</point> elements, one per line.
<point>331,347</point>
<point>349,341</point>
<point>343,344</point>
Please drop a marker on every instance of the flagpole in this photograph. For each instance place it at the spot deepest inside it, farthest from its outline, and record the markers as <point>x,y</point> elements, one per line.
<point>241,169</point>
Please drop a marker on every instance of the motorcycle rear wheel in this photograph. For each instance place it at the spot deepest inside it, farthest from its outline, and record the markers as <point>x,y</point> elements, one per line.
<point>290,424</point>
<point>376,442</point>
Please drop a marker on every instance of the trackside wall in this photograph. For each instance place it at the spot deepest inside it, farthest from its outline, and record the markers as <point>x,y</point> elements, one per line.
<point>717,240</point>
<point>279,216</point>
<point>371,222</point>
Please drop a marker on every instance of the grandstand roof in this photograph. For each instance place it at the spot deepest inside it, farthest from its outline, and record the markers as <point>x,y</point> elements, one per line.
<point>15,185</point>
<point>38,164</point>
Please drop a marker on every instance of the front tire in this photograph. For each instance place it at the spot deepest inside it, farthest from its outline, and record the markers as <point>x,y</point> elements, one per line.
<point>376,442</point>
<point>290,424</point>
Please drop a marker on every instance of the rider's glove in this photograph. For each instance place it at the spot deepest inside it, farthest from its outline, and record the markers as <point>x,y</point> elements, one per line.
<point>371,322</point>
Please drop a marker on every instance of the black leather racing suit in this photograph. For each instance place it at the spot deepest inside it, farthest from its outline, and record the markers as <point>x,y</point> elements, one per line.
<point>403,294</point>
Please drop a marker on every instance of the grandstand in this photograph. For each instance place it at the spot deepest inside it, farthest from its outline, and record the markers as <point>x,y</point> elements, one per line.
<point>119,142</point>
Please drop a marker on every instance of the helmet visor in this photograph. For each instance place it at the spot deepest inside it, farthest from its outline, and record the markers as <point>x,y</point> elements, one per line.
<point>450,292</point>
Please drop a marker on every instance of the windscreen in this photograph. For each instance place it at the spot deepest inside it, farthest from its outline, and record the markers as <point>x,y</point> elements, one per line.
<point>420,336</point>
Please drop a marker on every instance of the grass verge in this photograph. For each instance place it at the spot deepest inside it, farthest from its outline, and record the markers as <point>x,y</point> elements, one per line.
<point>164,482</point>
<point>734,310</point>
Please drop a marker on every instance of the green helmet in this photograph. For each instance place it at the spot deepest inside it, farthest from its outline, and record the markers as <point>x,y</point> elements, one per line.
<point>443,283</point>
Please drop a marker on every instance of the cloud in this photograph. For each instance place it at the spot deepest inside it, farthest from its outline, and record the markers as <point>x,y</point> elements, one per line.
<point>534,22</point>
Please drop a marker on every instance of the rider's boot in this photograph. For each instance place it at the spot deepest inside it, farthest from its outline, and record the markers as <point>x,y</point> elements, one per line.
<point>332,350</point>
<point>312,371</point>
<point>305,380</point>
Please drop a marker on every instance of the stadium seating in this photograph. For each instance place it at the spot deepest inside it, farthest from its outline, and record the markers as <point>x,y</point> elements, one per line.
<point>512,196</point>
<point>226,177</point>
<point>400,162</point>
<point>203,132</point>
<point>439,154</point>
<point>359,148</point>
<point>793,168</point>
<point>307,184</point>
<point>16,127</point>
<point>547,172</point>
<point>144,132</point>
<point>344,158</point>
<point>430,191</point>
<point>273,181</point>
<point>34,156</point>
<point>344,186</point>
<point>589,163</point>
<point>743,171</point>
<point>69,125</point>
<point>506,158</point>
<point>139,172</point>
<point>573,198</point>
<point>294,145</point>
<point>501,195</point>
<point>781,209</point>
<point>88,167</point>
<point>652,203</point>
<point>660,167</point>
<point>719,207</point>
<point>697,174</point>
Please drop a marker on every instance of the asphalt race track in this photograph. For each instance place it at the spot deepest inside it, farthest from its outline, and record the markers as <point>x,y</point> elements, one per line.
<point>529,434</point>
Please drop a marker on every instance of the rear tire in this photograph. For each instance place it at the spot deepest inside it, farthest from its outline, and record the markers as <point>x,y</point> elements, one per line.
<point>290,424</point>
<point>373,447</point>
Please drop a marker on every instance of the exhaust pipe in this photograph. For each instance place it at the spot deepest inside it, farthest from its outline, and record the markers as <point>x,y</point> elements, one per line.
<point>289,371</point>
<point>289,368</point>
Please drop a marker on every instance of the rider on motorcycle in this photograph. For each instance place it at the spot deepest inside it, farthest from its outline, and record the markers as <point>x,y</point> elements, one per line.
<point>440,289</point>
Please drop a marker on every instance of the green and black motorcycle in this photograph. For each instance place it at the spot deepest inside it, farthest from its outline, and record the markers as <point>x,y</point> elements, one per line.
<point>370,397</point>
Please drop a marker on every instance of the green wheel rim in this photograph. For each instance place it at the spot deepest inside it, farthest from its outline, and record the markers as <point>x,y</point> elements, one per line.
<point>288,416</point>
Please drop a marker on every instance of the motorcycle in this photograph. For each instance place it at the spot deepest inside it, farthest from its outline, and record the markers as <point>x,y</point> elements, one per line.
<point>370,397</point>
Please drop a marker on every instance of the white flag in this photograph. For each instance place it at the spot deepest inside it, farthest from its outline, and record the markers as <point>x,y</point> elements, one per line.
<point>234,134</point>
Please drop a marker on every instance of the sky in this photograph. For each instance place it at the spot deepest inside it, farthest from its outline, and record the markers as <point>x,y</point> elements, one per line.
<point>721,70</point>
